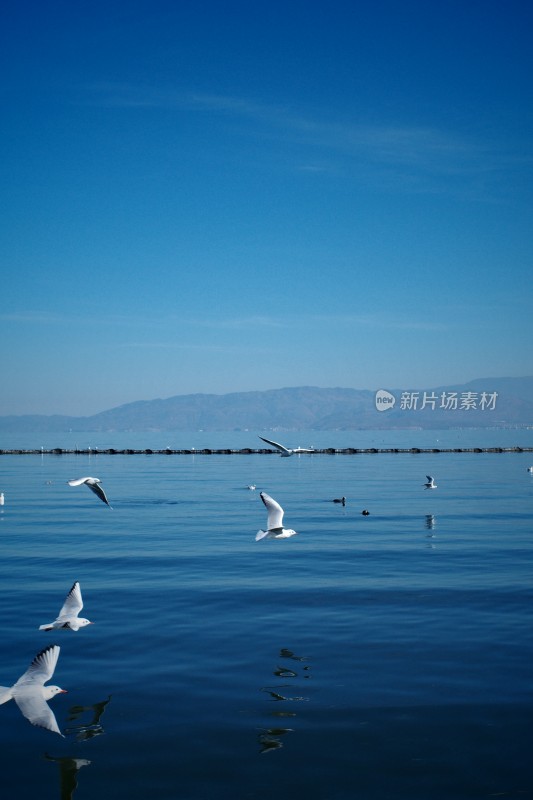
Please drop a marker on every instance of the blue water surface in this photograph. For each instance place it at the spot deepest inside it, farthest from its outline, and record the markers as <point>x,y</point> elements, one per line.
<point>379,656</point>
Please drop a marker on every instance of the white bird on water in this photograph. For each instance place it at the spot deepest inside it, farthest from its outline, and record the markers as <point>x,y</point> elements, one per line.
<point>94,485</point>
<point>286,451</point>
<point>431,483</point>
<point>68,616</point>
<point>275,529</point>
<point>1,498</point>
<point>30,693</point>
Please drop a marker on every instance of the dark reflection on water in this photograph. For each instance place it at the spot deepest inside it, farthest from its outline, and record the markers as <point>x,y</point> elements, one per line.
<point>91,726</point>
<point>270,738</point>
<point>68,771</point>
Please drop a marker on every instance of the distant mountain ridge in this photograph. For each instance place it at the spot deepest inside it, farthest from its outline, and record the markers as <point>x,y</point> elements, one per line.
<point>483,402</point>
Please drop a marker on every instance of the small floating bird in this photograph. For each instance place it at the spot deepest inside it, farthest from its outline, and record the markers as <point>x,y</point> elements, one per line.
<point>68,616</point>
<point>529,469</point>
<point>286,451</point>
<point>341,500</point>
<point>2,499</point>
<point>275,529</point>
<point>30,693</point>
<point>251,487</point>
<point>431,483</point>
<point>94,485</point>
<point>365,512</point>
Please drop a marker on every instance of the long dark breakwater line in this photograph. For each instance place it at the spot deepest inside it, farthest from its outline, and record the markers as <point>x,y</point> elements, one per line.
<point>348,451</point>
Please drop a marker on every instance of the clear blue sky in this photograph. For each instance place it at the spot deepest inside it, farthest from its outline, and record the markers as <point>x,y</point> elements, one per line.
<point>203,196</point>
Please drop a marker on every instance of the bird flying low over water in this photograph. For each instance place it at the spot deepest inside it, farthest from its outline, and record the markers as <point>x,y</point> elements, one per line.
<point>68,616</point>
<point>30,693</point>
<point>275,529</point>
<point>431,483</point>
<point>286,451</point>
<point>94,485</point>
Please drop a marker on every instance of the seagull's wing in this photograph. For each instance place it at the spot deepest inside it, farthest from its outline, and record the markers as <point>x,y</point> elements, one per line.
<point>430,479</point>
<point>275,512</point>
<point>41,668</point>
<point>35,708</point>
<point>73,604</point>
<point>78,481</point>
<point>97,489</point>
<point>279,447</point>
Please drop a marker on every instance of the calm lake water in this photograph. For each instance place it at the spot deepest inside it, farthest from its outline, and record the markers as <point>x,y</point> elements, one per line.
<point>386,656</point>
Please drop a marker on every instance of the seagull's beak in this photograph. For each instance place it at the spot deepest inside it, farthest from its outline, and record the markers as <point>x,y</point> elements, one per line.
<point>63,691</point>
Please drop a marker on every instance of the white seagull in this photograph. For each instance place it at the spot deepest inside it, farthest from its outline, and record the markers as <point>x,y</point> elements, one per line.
<point>275,529</point>
<point>94,485</point>
<point>431,483</point>
<point>285,451</point>
<point>68,616</point>
<point>30,693</point>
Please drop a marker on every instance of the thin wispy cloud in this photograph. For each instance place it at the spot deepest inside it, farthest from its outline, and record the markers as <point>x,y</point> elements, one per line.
<point>32,317</point>
<point>416,147</point>
<point>245,323</point>
<point>207,347</point>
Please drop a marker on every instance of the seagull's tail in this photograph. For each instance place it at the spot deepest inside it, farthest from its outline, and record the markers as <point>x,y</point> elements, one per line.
<point>47,627</point>
<point>260,535</point>
<point>5,694</point>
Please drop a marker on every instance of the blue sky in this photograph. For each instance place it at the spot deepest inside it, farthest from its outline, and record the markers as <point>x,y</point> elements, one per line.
<point>232,196</point>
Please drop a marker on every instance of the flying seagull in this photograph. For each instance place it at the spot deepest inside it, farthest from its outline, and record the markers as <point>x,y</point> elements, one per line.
<point>285,451</point>
<point>30,693</point>
<point>68,616</point>
<point>94,485</point>
<point>275,529</point>
<point>431,483</point>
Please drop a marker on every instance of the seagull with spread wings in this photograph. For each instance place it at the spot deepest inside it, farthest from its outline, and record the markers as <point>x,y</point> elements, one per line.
<point>286,451</point>
<point>31,695</point>
<point>94,485</point>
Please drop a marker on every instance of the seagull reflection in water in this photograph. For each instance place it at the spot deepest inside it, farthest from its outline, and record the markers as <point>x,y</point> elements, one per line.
<point>68,771</point>
<point>270,738</point>
<point>89,729</point>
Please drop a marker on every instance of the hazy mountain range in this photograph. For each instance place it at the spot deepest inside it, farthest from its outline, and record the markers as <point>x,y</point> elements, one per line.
<point>484,402</point>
